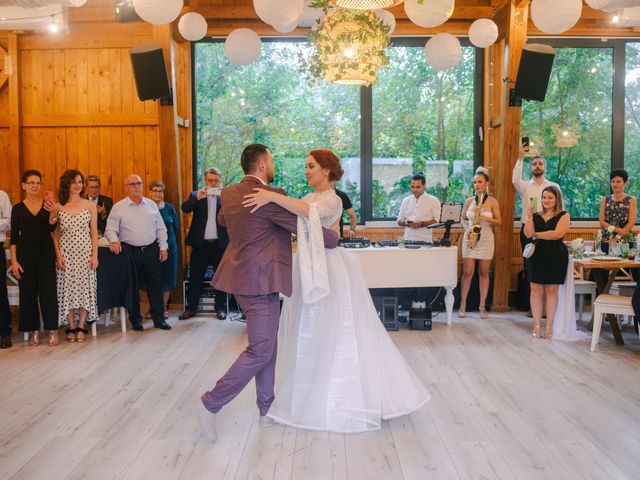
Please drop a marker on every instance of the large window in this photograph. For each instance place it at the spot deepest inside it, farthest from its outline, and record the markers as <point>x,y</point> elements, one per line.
<point>572,127</point>
<point>422,121</point>
<point>632,117</point>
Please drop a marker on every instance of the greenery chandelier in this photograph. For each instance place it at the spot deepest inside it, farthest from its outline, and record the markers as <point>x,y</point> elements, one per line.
<point>367,4</point>
<point>349,46</point>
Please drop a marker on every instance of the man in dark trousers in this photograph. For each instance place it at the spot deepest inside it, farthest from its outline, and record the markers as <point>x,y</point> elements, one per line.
<point>208,240</point>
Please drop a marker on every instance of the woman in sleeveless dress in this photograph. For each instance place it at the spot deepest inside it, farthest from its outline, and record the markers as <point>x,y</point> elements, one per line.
<point>482,251</point>
<point>338,369</point>
<point>547,267</point>
<point>76,246</point>
<point>618,210</point>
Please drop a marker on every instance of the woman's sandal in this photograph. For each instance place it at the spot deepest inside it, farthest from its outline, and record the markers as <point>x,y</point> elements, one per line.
<point>71,334</point>
<point>548,332</point>
<point>483,313</point>
<point>80,334</point>
<point>536,331</point>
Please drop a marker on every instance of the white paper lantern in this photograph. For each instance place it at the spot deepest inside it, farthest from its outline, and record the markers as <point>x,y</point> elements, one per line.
<point>286,28</point>
<point>443,51</point>
<point>554,16</point>
<point>613,5</point>
<point>242,46</point>
<point>429,14</point>
<point>310,15</point>
<point>279,12</point>
<point>192,26</point>
<point>483,33</point>
<point>158,12</point>
<point>596,4</point>
<point>388,19</point>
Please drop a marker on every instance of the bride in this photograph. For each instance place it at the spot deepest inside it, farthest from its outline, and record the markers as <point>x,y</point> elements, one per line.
<point>337,368</point>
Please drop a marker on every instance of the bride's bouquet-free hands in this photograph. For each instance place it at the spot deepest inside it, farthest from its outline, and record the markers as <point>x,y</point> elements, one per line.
<point>258,199</point>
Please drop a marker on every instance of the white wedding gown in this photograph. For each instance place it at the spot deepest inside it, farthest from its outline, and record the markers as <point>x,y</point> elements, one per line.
<point>337,367</point>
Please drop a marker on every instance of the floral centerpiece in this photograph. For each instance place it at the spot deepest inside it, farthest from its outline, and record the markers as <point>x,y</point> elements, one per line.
<point>577,247</point>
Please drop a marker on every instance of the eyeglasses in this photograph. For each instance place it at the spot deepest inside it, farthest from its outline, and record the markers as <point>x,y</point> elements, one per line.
<point>157,190</point>
<point>134,184</point>
<point>33,183</point>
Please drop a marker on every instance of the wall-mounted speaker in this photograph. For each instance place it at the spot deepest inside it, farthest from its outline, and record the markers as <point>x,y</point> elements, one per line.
<point>534,71</point>
<point>149,72</point>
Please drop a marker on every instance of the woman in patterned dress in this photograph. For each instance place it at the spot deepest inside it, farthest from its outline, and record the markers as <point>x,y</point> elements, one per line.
<point>619,209</point>
<point>76,245</point>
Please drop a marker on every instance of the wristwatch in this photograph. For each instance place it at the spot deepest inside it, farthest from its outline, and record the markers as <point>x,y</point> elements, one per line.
<point>536,236</point>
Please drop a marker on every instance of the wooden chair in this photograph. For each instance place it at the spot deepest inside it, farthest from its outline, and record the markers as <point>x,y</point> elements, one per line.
<point>604,304</point>
<point>583,288</point>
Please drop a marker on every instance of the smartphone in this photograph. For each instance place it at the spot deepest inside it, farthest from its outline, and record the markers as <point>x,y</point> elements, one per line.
<point>214,191</point>
<point>48,196</point>
<point>525,141</point>
<point>533,202</point>
<point>409,222</point>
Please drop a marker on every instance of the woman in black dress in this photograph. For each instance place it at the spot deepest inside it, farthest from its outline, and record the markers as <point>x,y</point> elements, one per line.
<point>33,260</point>
<point>547,268</point>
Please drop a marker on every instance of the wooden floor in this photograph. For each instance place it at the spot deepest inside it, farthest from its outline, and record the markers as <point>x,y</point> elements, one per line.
<point>504,405</point>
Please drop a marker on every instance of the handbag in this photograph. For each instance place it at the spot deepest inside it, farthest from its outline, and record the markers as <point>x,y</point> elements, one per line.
<point>529,250</point>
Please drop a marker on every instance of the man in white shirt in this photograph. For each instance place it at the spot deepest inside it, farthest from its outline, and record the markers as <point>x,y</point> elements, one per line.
<point>135,223</point>
<point>530,189</point>
<point>5,312</point>
<point>418,210</point>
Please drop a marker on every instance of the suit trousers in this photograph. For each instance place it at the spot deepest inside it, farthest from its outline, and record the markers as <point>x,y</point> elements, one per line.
<point>209,253</point>
<point>5,311</point>
<point>38,284</point>
<point>259,358</point>
<point>147,261</point>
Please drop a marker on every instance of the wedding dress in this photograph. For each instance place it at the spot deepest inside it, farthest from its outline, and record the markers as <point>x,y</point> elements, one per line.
<point>337,367</point>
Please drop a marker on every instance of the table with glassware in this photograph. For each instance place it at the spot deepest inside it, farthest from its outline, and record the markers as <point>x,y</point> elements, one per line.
<point>612,266</point>
<point>397,267</point>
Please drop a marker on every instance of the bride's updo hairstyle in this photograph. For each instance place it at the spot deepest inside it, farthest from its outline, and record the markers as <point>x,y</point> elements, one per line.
<point>327,159</point>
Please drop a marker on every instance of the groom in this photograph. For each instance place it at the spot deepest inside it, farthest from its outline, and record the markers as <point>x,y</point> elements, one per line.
<point>255,268</point>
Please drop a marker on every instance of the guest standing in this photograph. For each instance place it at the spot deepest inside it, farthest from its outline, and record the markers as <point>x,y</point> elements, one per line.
<point>76,244</point>
<point>5,311</point>
<point>33,260</point>
<point>418,210</point>
<point>483,242</point>
<point>547,268</point>
<point>103,203</point>
<point>618,210</point>
<point>135,224</point>
<point>347,207</point>
<point>169,269</point>
<point>208,240</point>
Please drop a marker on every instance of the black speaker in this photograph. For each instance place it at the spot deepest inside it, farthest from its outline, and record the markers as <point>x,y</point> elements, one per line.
<point>150,72</point>
<point>534,72</point>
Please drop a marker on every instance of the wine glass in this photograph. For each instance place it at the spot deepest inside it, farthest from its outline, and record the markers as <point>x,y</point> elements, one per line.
<point>588,247</point>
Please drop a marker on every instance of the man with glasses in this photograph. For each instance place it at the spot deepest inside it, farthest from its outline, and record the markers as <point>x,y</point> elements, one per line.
<point>103,203</point>
<point>135,224</point>
<point>208,241</point>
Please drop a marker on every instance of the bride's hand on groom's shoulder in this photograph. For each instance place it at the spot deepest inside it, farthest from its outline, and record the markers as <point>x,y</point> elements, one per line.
<point>258,199</point>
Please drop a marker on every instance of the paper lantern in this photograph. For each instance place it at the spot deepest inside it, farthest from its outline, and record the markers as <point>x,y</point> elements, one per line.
<point>483,33</point>
<point>388,19</point>
<point>596,4</point>
<point>443,51</point>
<point>286,28</point>
<point>613,5</point>
<point>192,26</point>
<point>279,12</point>
<point>430,13</point>
<point>553,16</point>
<point>366,4</point>
<point>310,15</point>
<point>158,12</point>
<point>242,46</point>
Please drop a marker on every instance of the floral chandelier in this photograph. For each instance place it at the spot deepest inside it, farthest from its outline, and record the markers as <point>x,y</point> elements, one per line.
<point>367,4</point>
<point>349,46</point>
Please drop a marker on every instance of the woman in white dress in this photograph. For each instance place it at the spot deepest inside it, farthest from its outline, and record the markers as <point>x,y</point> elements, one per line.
<point>479,249</point>
<point>338,369</point>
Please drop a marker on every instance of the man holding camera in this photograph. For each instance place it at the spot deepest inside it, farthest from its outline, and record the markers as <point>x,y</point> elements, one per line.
<point>208,240</point>
<point>418,211</point>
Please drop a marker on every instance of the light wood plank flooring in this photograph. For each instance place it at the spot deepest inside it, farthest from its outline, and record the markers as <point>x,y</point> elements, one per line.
<point>504,405</point>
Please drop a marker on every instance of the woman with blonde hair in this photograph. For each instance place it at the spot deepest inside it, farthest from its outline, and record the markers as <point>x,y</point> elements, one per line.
<point>547,267</point>
<point>480,213</point>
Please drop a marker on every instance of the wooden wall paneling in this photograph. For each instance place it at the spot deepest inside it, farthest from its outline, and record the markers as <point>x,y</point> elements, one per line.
<point>126,78</point>
<point>104,81</point>
<point>72,148</point>
<point>106,162</point>
<point>115,80</point>
<point>35,77</point>
<point>83,150</point>
<point>115,187</point>
<point>93,141</point>
<point>46,74</point>
<point>93,83</point>
<point>153,163</point>
<point>59,82</point>
<point>60,142</point>
<point>82,81</point>
<point>128,155</point>
<point>71,81</point>
<point>13,89</point>
<point>139,154</point>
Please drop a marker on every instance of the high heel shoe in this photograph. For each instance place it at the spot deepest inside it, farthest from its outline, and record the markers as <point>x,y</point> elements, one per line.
<point>548,332</point>
<point>462,312</point>
<point>34,338</point>
<point>80,334</point>
<point>483,313</point>
<point>536,331</point>
<point>71,334</point>
<point>53,338</point>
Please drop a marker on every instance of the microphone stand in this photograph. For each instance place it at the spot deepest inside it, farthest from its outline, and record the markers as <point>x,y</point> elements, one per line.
<point>445,241</point>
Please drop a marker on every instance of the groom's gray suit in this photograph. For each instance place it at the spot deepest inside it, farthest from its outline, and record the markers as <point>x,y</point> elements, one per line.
<point>255,267</point>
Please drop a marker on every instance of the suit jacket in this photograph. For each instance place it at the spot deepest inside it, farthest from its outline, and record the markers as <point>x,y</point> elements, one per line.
<point>200,209</point>
<point>258,259</point>
<point>107,203</point>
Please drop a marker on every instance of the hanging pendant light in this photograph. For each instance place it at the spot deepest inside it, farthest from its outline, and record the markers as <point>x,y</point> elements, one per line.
<point>366,4</point>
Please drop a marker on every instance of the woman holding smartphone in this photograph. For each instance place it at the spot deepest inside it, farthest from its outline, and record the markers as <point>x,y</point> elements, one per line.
<point>33,260</point>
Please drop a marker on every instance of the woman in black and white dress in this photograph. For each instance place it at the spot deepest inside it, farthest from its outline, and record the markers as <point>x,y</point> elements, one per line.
<point>76,245</point>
